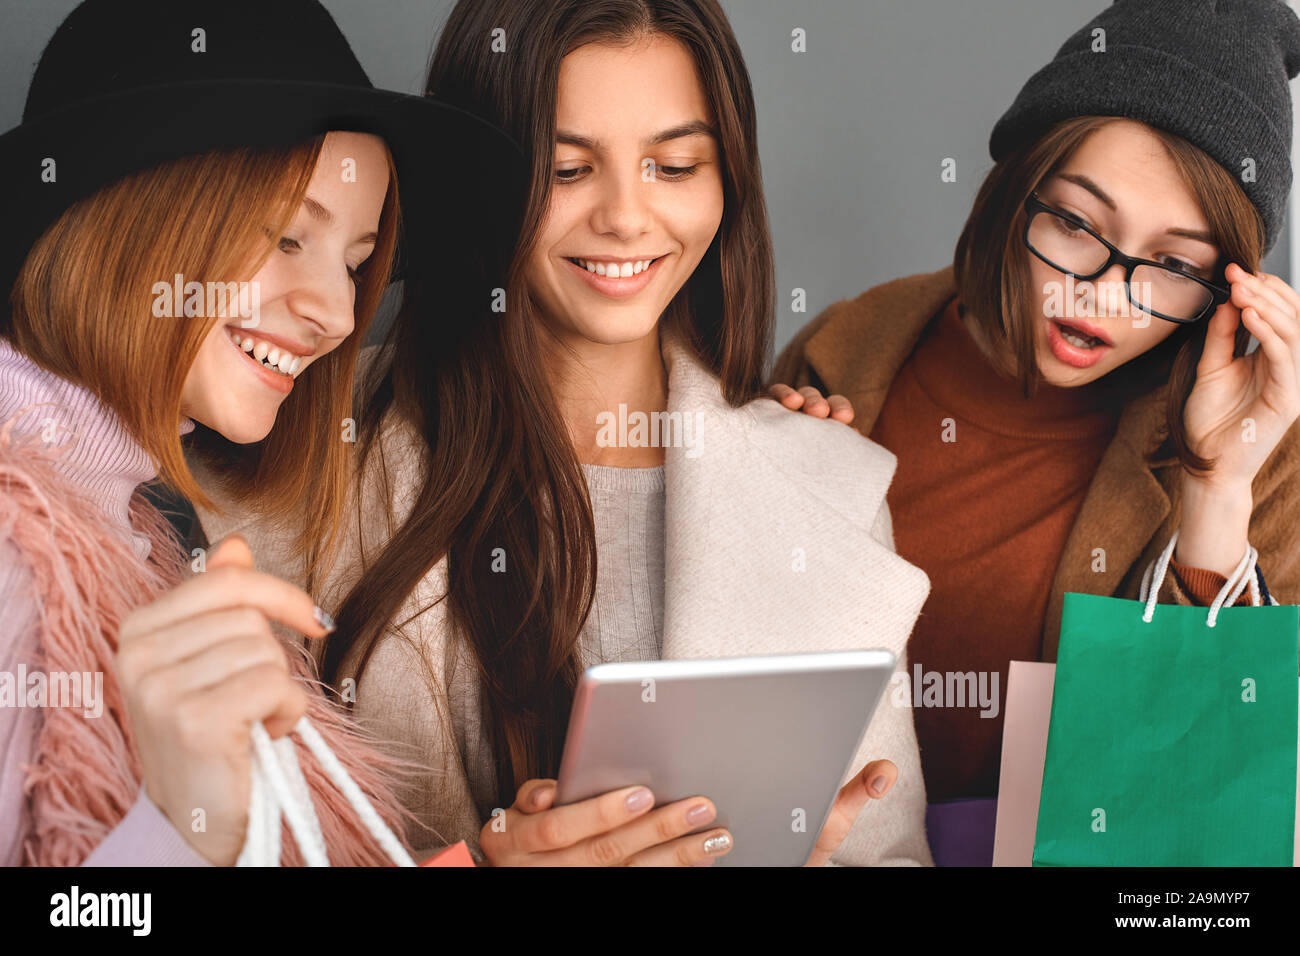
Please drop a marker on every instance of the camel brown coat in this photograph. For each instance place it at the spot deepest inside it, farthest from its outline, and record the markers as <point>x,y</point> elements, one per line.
<point>857,346</point>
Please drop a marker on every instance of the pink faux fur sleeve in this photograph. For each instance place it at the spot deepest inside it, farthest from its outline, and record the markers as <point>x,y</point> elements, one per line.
<point>144,837</point>
<point>18,726</point>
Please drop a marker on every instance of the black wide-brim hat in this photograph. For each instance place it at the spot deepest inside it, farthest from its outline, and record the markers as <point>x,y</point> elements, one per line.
<point>126,85</point>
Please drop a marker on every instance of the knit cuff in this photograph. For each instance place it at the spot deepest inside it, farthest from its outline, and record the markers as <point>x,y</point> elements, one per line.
<point>1201,585</point>
<point>144,837</point>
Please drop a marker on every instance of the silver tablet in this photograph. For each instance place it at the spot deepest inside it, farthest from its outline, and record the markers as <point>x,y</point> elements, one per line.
<point>767,739</point>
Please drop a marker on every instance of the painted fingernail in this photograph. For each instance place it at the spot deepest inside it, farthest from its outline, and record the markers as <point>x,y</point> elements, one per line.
<point>323,619</point>
<point>639,799</point>
<point>717,844</point>
<point>879,785</point>
<point>699,814</point>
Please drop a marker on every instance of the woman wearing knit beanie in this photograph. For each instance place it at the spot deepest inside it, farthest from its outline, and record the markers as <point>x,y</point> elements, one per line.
<point>199,224</point>
<point>1078,387</point>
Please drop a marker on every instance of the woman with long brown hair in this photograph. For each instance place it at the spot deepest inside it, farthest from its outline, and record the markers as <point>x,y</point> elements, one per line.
<point>588,471</point>
<point>1077,388</point>
<point>574,463</point>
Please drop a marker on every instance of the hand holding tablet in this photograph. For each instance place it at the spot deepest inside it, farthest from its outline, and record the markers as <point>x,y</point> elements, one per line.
<point>619,828</point>
<point>673,762</point>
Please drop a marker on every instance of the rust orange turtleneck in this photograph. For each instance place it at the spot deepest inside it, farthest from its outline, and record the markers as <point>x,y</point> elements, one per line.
<point>988,486</point>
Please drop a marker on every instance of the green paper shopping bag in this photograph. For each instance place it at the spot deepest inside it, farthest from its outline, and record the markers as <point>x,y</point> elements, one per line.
<point>1172,739</point>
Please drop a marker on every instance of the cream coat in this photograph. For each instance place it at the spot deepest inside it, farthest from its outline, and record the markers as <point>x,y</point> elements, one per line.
<point>778,540</point>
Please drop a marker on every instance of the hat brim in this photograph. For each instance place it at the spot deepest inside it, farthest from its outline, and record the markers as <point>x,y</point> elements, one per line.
<point>455,170</point>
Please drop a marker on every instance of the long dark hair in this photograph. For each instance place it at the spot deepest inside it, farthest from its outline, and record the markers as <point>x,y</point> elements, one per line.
<point>501,479</point>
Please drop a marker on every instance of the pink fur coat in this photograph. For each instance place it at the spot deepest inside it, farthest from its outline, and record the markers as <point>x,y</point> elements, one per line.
<point>85,577</point>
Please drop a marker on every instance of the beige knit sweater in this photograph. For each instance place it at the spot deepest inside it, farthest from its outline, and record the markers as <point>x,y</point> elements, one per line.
<point>778,540</point>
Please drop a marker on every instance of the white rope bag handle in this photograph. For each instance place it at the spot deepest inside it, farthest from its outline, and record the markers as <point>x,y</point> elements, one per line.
<point>1243,577</point>
<point>278,787</point>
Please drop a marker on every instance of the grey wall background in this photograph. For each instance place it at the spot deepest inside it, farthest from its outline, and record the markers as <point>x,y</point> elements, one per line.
<point>852,133</point>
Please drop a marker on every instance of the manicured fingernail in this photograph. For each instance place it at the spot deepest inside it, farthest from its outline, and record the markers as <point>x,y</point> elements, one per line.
<point>639,799</point>
<point>699,814</point>
<point>879,785</point>
<point>540,794</point>
<point>323,619</point>
<point>717,844</point>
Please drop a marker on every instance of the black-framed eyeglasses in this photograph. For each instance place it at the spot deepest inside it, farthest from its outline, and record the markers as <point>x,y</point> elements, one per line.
<point>1067,245</point>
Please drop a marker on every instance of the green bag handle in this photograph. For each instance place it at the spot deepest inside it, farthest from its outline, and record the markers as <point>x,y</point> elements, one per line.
<point>1242,577</point>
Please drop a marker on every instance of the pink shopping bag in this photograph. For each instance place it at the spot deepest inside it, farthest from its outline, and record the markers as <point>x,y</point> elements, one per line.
<point>455,855</point>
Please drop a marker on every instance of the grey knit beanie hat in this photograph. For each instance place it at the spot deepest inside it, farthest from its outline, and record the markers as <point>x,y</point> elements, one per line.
<point>1214,72</point>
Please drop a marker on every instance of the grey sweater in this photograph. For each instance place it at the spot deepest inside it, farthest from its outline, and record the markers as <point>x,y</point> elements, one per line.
<point>627,616</point>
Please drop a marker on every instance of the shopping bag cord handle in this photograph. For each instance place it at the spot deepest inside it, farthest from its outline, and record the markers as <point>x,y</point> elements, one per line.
<point>278,787</point>
<point>1243,576</point>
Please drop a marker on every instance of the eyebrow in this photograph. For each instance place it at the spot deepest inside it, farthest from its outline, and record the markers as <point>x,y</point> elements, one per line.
<point>680,131</point>
<point>1083,181</point>
<point>321,214</point>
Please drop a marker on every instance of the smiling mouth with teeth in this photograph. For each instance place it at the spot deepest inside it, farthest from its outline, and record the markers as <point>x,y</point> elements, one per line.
<point>275,359</point>
<point>615,270</point>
